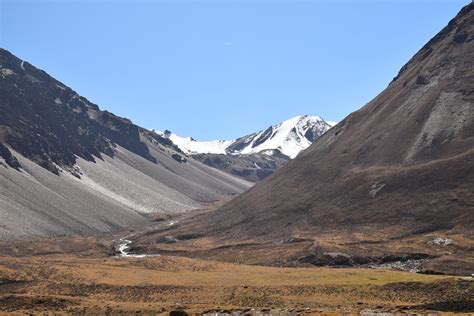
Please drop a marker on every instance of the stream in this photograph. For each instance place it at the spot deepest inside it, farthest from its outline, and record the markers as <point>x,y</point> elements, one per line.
<point>123,247</point>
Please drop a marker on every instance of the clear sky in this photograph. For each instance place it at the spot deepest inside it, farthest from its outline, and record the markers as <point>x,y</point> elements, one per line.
<point>222,69</point>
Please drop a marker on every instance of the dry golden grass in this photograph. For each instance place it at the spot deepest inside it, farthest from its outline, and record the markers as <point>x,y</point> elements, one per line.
<point>65,283</point>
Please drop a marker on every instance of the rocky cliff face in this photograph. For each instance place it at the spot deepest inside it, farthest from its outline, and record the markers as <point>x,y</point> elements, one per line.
<point>51,124</point>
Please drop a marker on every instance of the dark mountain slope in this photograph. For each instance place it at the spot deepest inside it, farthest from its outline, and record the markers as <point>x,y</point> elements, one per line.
<point>404,163</point>
<point>49,123</point>
<point>401,165</point>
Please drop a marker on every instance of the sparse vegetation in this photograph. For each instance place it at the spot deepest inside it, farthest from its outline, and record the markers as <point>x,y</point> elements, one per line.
<point>65,283</point>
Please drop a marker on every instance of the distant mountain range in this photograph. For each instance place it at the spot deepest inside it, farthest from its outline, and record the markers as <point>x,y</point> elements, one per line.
<point>287,138</point>
<point>259,154</point>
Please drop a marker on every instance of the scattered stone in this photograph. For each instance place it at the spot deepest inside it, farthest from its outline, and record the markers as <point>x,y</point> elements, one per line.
<point>376,187</point>
<point>179,158</point>
<point>441,241</point>
<point>413,266</point>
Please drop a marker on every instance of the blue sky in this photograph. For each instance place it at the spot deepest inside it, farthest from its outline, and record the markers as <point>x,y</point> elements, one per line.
<point>222,69</point>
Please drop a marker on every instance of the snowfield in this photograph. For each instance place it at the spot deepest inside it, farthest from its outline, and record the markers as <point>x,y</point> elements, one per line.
<point>190,146</point>
<point>288,138</point>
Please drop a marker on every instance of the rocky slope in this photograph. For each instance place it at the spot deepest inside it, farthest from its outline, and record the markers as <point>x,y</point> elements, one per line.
<point>50,124</point>
<point>401,167</point>
<point>404,163</point>
<point>257,155</point>
<point>251,167</point>
<point>68,167</point>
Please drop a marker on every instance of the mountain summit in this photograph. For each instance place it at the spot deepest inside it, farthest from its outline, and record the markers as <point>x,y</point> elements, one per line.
<point>255,156</point>
<point>287,138</point>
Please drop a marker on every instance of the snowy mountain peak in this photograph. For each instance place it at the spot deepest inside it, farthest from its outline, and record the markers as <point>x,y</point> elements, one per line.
<point>287,138</point>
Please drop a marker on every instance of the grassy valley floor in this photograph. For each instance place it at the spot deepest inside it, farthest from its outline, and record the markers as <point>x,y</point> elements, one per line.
<point>99,284</point>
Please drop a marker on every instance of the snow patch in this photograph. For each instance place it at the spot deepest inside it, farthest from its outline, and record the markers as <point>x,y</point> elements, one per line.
<point>190,146</point>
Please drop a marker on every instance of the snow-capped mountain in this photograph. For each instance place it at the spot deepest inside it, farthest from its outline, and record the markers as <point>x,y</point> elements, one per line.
<point>255,156</point>
<point>287,138</point>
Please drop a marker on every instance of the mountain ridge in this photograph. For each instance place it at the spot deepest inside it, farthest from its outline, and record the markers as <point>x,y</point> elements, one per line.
<point>66,167</point>
<point>54,124</point>
<point>255,156</point>
<point>302,129</point>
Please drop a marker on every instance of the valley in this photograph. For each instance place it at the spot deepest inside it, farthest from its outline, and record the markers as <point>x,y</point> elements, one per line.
<point>373,215</point>
<point>84,275</point>
<point>136,271</point>
<point>165,284</point>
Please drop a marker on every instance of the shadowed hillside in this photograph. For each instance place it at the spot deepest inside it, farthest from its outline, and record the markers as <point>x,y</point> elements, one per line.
<point>388,178</point>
